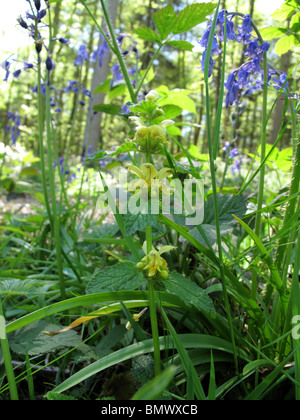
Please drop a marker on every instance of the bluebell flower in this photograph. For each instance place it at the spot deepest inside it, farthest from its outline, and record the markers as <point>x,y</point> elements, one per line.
<point>234,153</point>
<point>13,128</point>
<point>82,56</point>
<point>101,51</point>
<point>6,65</point>
<point>226,146</point>
<point>244,32</point>
<point>17,73</point>
<point>37,4</point>
<point>27,66</point>
<point>237,165</point>
<point>233,90</point>
<point>117,74</point>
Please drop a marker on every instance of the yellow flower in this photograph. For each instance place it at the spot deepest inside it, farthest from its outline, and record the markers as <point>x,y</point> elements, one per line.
<point>136,317</point>
<point>150,139</point>
<point>154,263</point>
<point>149,175</point>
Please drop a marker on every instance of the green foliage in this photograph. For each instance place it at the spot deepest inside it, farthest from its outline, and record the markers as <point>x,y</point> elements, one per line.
<point>122,276</point>
<point>289,37</point>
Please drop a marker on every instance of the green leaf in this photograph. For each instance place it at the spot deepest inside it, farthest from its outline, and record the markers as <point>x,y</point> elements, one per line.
<point>119,90</point>
<point>104,87</point>
<point>228,205</point>
<point>179,98</point>
<point>107,109</point>
<point>125,148</point>
<point>285,11</point>
<point>286,44</point>
<point>165,20</point>
<point>30,171</point>
<point>122,276</point>
<point>192,15</point>
<point>96,156</point>
<point>183,45</point>
<point>295,23</point>
<point>271,32</point>
<point>137,222</point>
<point>31,340</point>
<point>189,292</point>
<point>147,34</point>
<point>154,389</point>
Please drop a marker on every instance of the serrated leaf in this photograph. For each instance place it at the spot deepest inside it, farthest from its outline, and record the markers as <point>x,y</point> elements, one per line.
<point>165,20</point>
<point>192,15</point>
<point>286,44</point>
<point>107,109</point>
<point>285,11</point>
<point>183,45</point>
<point>137,222</point>
<point>227,206</point>
<point>271,32</point>
<point>147,34</point>
<point>188,291</point>
<point>122,276</point>
<point>31,340</point>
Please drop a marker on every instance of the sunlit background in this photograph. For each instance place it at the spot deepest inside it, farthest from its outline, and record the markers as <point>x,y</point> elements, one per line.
<point>12,38</point>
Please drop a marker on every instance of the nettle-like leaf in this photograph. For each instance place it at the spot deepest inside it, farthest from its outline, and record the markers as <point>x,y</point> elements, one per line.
<point>189,292</point>
<point>31,340</point>
<point>286,10</point>
<point>183,45</point>
<point>192,16</point>
<point>122,276</point>
<point>286,44</point>
<point>271,32</point>
<point>165,19</point>
<point>147,34</point>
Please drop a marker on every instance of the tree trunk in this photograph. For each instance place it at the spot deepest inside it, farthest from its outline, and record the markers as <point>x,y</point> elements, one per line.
<point>92,135</point>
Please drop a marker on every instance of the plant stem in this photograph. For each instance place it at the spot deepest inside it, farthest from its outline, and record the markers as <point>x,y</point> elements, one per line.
<point>262,170</point>
<point>7,357</point>
<point>117,51</point>
<point>56,221</point>
<point>154,327</point>
<point>214,185</point>
<point>294,188</point>
<point>148,69</point>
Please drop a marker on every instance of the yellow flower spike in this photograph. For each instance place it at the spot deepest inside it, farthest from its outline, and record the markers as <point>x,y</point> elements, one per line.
<point>136,317</point>
<point>147,175</point>
<point>154,263</point>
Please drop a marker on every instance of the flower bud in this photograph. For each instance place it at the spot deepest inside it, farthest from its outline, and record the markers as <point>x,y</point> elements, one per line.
<point>164,274</point>
<point>152,96</point>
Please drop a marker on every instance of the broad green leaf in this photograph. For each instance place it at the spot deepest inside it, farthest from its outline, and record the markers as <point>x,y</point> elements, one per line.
<point>96,156</point>
<point>179,98</point>
<point>119,90</point>
<point>29,171</point>
<point>187,341</point>
<point>227,206</point>
<point>137,222</point>
<point>285,11</point>
<point>295,23</point>
<point>125,148</point>
<point>183,45</point>
<point>107,109</point>
<point>192,15</point>
<point>271,32</point>
<point>165,20</point>
<point>286,44</point>
<point>189,292</point>
<point>31,340</point>
<point>147,34</point>
<point>122,276</point>
<point>104,87</point>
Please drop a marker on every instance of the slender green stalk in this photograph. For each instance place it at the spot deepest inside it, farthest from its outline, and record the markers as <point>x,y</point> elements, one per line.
<point>214,184</point>
<point>154,327</point>
<point>148,69</point>
<point>56,221</point>
<point>7,357</point>
<point>117,51</point>
<point>262,170</point>
<point>294,188</point>
<point>296,313</point>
